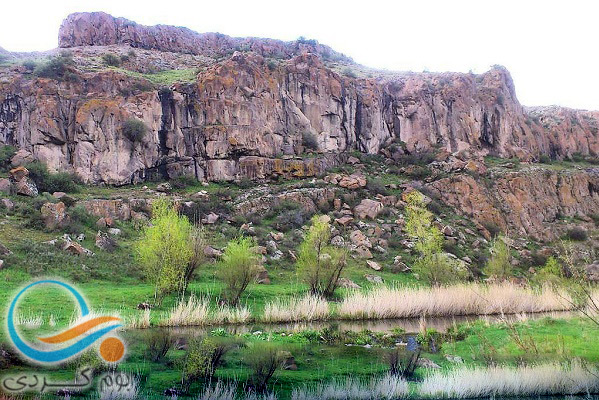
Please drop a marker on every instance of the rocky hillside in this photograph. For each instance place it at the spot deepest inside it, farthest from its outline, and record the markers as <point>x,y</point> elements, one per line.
<point>248,105</point>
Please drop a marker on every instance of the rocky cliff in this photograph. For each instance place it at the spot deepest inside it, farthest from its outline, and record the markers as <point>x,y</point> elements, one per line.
<point>251,105</point>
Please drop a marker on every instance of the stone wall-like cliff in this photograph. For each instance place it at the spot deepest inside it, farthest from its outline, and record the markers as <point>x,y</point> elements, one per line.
<point>245,115</point>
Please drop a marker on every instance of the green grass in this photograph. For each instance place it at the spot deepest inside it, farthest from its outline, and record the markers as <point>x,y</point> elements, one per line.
<point>164,78</point>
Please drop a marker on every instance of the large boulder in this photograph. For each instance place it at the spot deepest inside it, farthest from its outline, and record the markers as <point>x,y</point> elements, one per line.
<point>368,209</point>
<point>54,215</point>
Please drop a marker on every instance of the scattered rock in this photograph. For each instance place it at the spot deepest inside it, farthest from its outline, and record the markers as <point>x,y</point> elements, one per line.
<point>373,278</point>
<point>374,265</point>
<point>211,252</point>
<point>454,359</point>
<point>345,220</point>
<point>426,363</point>
<point>75,248</point>
<point>363,252</point>
<point>262,276</point>
<point>105,242</point>
<point>278,236</point>
<point>359,239</point>
<point>114,231</point>
<point>368,209</point>
<point>8,204</point>
<point>210,219</point>
<point>164,187</point>
<point>26,187</point>
<point>54,215</point>
<point>6,186</point>
<point>347,283</point>
<point>448,230</point>
<point>338,241</point>
<point>144,306</point>
<point>592,271</point>
<point>287,360</point>
<point>19,173</point>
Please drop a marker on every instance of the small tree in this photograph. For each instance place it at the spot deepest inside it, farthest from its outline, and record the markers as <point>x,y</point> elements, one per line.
<point>239,267</point>
<point>499,265</point>
<point>319,263</point>
<point>433,265</point>
<point>164,249</point>
<point>111,59</point>
<point>197,243</point>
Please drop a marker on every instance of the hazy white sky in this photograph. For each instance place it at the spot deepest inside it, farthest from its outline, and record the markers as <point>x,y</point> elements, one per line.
<point>550,47</point>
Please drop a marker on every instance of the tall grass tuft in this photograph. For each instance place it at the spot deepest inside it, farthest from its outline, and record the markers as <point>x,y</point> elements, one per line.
<point>222,391</point>
<point>387,387</point>
<point>465,299</point>
<point>550,379</point>
<point>306,308</point>
<point>194,312</point>
<point>140,321</point>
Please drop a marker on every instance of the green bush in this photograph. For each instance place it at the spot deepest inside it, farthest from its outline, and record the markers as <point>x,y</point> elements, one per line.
<point>6,154</point>
<point>59,68</point>
<point>181,182</point>
<point>29,65</point>
<point>347,71</point>
<point>204,355</point>
<point>79,220</point>
<point>309,141</point>
<point>111,59</point>
<point>375,186</point>
<point>49,182</point>
<point>544,159</point>
<point>134,130</point>
<point>492,227</point>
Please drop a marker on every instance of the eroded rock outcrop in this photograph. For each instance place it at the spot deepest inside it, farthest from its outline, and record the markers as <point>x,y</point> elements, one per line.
<point>248,111</point>
<point>523,203</point>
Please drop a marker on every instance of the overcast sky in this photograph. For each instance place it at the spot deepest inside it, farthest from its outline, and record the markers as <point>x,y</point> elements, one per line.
<point>550,47</point>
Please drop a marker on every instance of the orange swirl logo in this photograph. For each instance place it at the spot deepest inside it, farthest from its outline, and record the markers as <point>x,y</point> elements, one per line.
<point>74,340</point>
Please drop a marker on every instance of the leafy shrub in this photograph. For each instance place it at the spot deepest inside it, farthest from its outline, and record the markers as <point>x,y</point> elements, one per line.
<point>159,342</point>
<point>6,154</point>
<point>544,159</point>
<point>347,71</point>
<point>49,182</point>
<point>402,362</point>
<point>310,141</point>
<point>203,357</point>
<point>29,65</point>
<point>79,219</point>
<point>419,173</point>
<point>577,233</point>
<point>272,65</point>
<point>111,59</point>
<point>181,182</point>
<point>264,360</point>
<point>239,267</point>
<point>499,265</point>
<point>492,227</point>
<point>375,186</point>
<point>417,158</point>
<point>59,68</point>
<point>134,130</point>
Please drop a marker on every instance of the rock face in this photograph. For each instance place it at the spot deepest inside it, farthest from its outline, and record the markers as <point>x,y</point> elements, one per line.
<point>101,29</point>
<point>523,203</point>
<point>246,114</point>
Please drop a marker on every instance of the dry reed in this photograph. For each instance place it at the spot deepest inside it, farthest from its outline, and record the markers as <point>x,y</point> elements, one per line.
<point>387,387</point>
<point>550,379</point>
<point>306,308</point>
<point>465,299</point>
